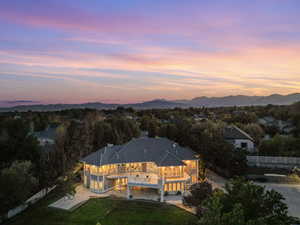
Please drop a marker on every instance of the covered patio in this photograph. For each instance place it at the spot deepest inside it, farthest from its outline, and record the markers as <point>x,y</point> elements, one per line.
<point>138,193</point>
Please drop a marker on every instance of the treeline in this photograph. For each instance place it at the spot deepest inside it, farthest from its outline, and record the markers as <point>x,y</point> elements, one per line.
<point>19,163</point>
<point>26,168</point>
<point>280,146</point>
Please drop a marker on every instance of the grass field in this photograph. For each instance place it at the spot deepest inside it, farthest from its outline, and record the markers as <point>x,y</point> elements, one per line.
<point>106,211</point>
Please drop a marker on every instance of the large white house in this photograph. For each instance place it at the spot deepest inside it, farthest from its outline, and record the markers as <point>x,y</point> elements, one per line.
<point>155,163</point>
<point>239,138</point>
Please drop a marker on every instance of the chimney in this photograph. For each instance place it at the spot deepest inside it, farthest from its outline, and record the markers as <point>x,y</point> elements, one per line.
<point>174,146</point>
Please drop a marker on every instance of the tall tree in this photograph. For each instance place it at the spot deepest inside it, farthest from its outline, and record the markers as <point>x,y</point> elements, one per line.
<point>246,203</point>
<point>16,184</point>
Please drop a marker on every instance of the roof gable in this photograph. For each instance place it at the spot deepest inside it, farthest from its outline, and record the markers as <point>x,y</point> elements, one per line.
<point>233,132</point>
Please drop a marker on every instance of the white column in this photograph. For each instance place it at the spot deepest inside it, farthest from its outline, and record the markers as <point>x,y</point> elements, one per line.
<point>162,192</point>
<point>128,192</point>
<point>197,170</point>
<point>104,182</point>
<point>84,178</point>
<point>98,182</point>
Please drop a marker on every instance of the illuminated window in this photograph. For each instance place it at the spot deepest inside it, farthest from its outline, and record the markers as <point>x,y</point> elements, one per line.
<point>178,186</point>
<point>166,187</point>
<point>194,179</point>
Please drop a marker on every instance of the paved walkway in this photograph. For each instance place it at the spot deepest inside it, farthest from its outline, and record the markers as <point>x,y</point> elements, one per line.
<point>177,201</point>
<point>215,180</point>
<point>81,196</point>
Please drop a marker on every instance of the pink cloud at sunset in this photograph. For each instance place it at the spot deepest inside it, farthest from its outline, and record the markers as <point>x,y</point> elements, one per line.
<point>171,50</point>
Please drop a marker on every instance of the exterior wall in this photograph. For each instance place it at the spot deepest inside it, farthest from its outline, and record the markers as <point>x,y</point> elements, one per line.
<point>174,178</point>
<point>192,169</point>
<point>273,162</point>
<point>250,145</point>
<point>171,171</point>
<point>174,187</point>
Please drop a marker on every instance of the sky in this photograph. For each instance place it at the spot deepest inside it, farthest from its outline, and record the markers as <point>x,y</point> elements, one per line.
<point>125,51</point>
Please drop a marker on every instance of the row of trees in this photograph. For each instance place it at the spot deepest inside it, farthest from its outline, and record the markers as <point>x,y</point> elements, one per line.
<point>280,146</point>
<point>19,163</point>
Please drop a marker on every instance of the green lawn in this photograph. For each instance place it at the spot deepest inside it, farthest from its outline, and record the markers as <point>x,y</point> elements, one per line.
<point>107,212</point>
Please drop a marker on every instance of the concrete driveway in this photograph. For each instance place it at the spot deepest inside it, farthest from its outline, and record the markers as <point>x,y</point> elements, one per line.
<point>291,192</point>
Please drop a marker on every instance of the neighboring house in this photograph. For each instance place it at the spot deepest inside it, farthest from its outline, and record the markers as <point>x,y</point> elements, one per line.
<point>239,112</point>
<point>267,121</point>
<point>156,163</point>
<point>285,127</point>
<point>201,117</point>
<point>16,117</point>
<point>165,121</point>
<point>47,136</point>
<point>239,138</point>
<point>131,117</point>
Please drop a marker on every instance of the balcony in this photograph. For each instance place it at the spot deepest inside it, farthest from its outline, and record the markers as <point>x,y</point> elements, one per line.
<point>141,179</point>
<point>144,180</point>
<point>185,177</point>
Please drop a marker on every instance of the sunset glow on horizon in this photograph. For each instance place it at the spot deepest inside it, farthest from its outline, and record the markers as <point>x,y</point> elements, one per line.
<point>66,51</point>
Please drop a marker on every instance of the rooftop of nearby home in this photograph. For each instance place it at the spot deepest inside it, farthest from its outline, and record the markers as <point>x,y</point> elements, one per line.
<point>233,132</point>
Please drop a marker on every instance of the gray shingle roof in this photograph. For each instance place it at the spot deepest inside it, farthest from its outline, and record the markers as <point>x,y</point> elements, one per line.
<point>233,132</point>
<point>161,151</point>
<point>170,160</point>
<point>48,133</point>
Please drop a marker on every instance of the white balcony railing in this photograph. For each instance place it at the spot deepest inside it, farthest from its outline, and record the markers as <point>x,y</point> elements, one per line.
<point>143,178</point>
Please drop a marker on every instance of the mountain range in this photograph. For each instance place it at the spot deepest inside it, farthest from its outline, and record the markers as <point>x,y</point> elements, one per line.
<point>236,100</point>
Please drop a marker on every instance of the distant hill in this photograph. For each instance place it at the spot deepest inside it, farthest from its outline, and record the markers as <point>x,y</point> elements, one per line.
<point>157,103</point>
<point>242,100</point>
<point>237,100</point>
